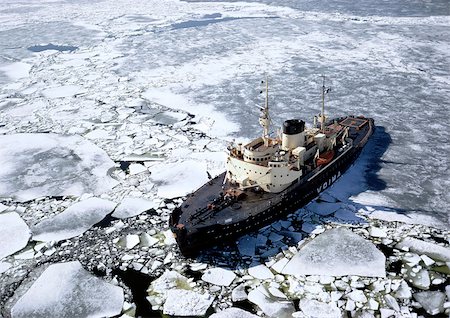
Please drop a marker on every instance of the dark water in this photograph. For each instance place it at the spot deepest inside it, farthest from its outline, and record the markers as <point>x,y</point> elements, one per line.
<point>50,46</point>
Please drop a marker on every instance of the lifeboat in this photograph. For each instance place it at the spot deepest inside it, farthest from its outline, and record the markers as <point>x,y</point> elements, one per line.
<point>325,158</point>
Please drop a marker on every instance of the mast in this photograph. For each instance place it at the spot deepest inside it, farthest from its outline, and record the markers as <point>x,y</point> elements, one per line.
<point>264,118</point>
<point>322,116</point>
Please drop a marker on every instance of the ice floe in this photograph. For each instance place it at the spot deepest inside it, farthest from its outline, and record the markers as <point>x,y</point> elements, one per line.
<point>260,271</point>
<point>73,221</point>
<point>432,250</point>
<point>219,276</point>
<point>233,313</point>
<point>337,252</point>
<point>68,290</point>
<point>62,91</point>
<point>178,179</point>
<point>316,309</point>
<point>14,233</point>
<point>271,306</point>
<point>431,301</point>
<point>37,165</point>
<point>16,70</point>
<point>182,302</point>
<point>130,207</point>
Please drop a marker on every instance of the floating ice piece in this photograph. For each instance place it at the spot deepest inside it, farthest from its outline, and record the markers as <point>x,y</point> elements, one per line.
<point>219,276</point>
<point>67,290</point>
<point>100,134</point>
<point>16,70</point>
<point>238,293</point>
<point>260,272</point>
<point>129,241</point>
<point>377,232</point>
<point>233,313</point>
<point>411,218</point>
<point>14,233</point>
<point>317,309</point>
<point>130,207</point>
<point>37,165</point>
<point>136,168</point>
<point>272,307</point>
<point>62,91</point>
<point>323,208</point>
<point>147,240</point>
<point>3,207</point>
<point>326,197</point>
<point>74,221</point>
<point>403,291</point>
<point>168,280</point>
<point>420,279</point>
<point>247,245</point>
<point>337,252</point>
<point>431,301</point>
<point>348,215</point>
<point>178,179</point>
<point>4,266</point>
<point>434,251</point>
<point>182,302</point>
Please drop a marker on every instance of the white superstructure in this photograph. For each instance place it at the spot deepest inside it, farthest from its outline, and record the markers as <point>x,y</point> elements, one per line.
<point>273,164</point>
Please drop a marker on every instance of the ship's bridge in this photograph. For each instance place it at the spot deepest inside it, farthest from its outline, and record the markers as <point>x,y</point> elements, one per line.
<point>258,152</point>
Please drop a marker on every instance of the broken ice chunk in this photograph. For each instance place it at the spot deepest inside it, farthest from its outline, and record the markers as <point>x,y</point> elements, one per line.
<point>323,208</point>
<point>431,301</point>
<point>74,221</point>
<point>182,302</point>
<point>67,290</point>
<point>239,294</point>
<point>317,309</point>
<point>260,272</point>
<point>434,251</point>
<point>14,233</point>
<point>4,266</point>
<point>271,306</point>
<point>130,207</point>
<point>219,276</point>
<point>233,313</point>
<point>37,165</point>
<point>247,245</point>
<point>337,252</point>
<point>136,168</point>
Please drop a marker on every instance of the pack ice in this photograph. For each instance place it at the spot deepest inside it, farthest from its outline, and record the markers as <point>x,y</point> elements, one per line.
<point>14,233</point>
<point>37,165</point>
<point>75,220</point>
<point>68,290</point>
<point>338,252</point>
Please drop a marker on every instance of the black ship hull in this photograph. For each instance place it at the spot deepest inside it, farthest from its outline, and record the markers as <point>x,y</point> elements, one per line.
<point>198,225</point>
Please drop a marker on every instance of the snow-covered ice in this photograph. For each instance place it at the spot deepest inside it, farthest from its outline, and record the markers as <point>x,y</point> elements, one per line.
<point>14,233</point>
<point>37,165</point>
<point>62,91</point>
<point>233,312</point>
<point>178,179</point>
<point>337,252</point>
<point>130,207</point>
<point>431,301</point>
<point>182,302</point>
<point>16,70</point>
<point>73,221</point>
<point>272,307</point>
<point>260,271</point>
<point>219,276</point>
<point>68,290</point>
<point>317,309</point>
<point>432,250</point>
<point>4,266</point>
